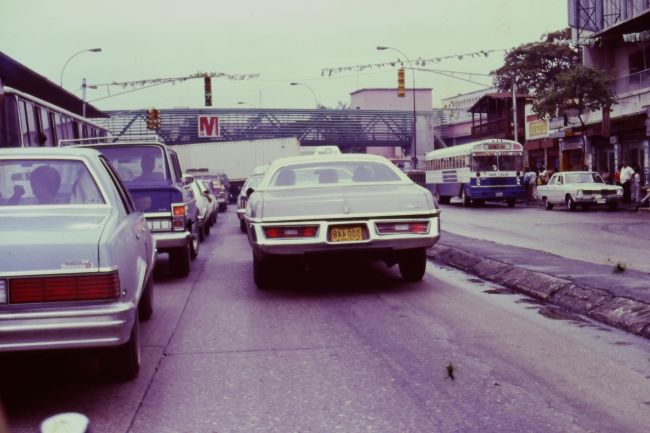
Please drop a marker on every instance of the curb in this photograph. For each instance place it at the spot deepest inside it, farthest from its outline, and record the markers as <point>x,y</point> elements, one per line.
<point>624,313</point>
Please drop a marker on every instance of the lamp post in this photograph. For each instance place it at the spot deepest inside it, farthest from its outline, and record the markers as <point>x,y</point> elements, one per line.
<point>310,89</point>
<point>84,86</point>
<point>90,50</point>
<point>414,139</point>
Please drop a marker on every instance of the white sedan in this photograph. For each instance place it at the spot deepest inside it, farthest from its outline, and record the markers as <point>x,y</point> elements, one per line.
<point>579,188</point>
<point>347,206</point>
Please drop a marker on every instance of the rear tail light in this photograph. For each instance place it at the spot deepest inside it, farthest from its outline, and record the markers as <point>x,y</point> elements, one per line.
<point>290,232</point>
<point>64,288</point>
<point>414,227</point>
<point>178,210</point>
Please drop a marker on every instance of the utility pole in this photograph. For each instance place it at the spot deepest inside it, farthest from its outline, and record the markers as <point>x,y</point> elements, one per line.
<point>514,111</point>
<point>83,97</point>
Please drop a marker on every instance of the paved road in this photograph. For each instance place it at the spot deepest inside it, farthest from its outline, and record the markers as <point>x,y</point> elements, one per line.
<point>350,349</point>
<point>596,236</point>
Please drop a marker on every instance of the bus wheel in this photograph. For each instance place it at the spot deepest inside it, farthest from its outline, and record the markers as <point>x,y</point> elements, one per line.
<point>511,202</point>
<point>466,200</point>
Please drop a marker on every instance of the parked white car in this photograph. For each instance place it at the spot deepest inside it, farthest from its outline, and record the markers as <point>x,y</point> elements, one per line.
<point>76,257</point>
<point>579,188</point>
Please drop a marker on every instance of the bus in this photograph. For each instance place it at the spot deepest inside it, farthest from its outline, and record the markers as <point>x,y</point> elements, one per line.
<point>485,170</point>
<point>28,121</point>
<point>36,112</point>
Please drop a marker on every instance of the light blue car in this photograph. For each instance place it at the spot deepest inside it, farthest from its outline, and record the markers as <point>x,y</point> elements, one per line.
<point>76,257</point>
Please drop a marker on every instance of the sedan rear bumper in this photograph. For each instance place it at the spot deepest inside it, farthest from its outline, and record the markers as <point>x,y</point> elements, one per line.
<point>78,327</point>
<point>170,240</point>
<point>321,244</point>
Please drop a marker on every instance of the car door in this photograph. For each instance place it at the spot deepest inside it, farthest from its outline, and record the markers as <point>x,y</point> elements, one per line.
<point>140,242</point>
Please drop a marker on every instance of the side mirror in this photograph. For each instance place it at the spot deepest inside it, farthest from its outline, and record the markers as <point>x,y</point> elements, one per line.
<point>249,191</point>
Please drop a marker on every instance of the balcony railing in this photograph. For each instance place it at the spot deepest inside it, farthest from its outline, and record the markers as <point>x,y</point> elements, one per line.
<point>632,82</point>
<point>491,128</point>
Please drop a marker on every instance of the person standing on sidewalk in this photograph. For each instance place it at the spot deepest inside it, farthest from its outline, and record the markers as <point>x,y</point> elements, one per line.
<point>636,185</point>
<point>532,185</point>
<point>626,179</point>
<point>525,181</point>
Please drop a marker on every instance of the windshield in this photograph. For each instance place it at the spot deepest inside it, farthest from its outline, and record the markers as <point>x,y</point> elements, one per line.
<point>491,161</point>
<point>43,182</point>
<point>334,173</point>
<point>583,178</point>
<point>138,165</point>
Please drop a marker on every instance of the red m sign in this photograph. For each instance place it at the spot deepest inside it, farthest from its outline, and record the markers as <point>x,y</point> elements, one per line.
<point>209,126</point>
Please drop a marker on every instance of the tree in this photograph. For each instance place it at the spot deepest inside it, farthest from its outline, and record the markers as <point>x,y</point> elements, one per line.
<point>552,72</point>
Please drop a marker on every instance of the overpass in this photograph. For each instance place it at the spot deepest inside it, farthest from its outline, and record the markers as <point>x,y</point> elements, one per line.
<point>343,127</point>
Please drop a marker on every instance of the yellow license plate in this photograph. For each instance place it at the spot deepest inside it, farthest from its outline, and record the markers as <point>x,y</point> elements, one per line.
<point>346,234</point>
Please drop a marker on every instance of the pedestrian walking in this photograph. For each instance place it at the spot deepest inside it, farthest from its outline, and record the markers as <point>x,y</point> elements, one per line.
<point>532,184</point>
<point>645,200</point>
<point>525,181</point>
<point>636,185</point>
<point>626,180</point>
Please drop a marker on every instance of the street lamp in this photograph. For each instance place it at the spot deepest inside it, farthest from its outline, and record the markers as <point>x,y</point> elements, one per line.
<point>310,89</point>
<point>91,50</point>
<point>414,139</point>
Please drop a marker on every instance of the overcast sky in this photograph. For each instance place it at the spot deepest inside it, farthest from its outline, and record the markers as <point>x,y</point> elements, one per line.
<point>282,40</point>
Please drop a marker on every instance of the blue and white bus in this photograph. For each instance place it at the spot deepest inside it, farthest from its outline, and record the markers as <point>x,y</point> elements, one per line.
<point>490,169</point>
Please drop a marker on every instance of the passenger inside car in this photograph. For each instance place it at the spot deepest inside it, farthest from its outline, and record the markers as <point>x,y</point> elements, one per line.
<point>45,182</point>
<point>362,174</point>
<point>327,176</point>
<point>148,163</point>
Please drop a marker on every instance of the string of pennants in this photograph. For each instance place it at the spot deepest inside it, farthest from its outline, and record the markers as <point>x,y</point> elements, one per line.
<point>420,61</point>
<point>152,81</point>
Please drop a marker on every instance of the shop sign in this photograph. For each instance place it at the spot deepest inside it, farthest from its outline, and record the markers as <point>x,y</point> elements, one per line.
<point>556,127</point>
<point>574,143</point>
<point>536,128</point>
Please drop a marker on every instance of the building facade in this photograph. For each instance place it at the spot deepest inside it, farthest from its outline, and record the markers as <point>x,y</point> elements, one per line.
<point>615,37</point>
<point>387,99</point>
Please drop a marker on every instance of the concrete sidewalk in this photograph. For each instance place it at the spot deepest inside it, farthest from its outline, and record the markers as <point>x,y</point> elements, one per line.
<point>615,295</point>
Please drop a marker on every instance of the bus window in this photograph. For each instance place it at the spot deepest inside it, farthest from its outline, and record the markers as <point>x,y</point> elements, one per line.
<point>32,123</point>
<point>24,125</point>
<point>510,162</point>
<point>60,127</point>
<point>75,130</point>
<point>46,132</point>
<point>84,131</point>
<point>485,163</point>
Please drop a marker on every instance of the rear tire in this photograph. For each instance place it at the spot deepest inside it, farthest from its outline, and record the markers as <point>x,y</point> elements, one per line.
<point>263,273</point>
<point>145,306</point>
<point>179,261</point>
<point>547,204</point>
<point>612,206</point>
<point>444,199</point>
<point>206,231</point>
<point>223,207</point>
<point>466,200</point>
<point>511,202</point>
<point>413,264</point>
<point>195,242</point>
<point>125,359</point>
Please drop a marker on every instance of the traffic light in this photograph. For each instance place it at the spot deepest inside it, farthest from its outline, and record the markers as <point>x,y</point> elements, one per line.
<point>156,118</point>
<point>151,118</point>
<point>207,84</point>
<point>401,89</point>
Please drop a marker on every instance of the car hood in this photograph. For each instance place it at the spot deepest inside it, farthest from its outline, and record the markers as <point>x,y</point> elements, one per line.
<point>346,202</point>
<point>50,240</point>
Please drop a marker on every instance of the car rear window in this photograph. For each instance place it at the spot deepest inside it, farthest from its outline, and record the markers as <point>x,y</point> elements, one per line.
<point>138,165</point>
<point>334,173</point>
<point>28,182</point>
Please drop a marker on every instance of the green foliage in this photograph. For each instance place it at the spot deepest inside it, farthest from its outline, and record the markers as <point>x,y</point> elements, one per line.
<point>552,72</point>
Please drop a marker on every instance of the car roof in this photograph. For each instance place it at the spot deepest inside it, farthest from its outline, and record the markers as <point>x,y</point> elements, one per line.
<point>48,152</point>
<point>327,158</point>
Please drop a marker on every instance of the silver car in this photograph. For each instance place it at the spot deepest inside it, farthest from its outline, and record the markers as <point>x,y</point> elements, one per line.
<point>76,257</point>
<point>348,205</point>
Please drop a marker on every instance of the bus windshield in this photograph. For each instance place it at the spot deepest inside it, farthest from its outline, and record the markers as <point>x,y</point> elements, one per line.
<point>506,161</point>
